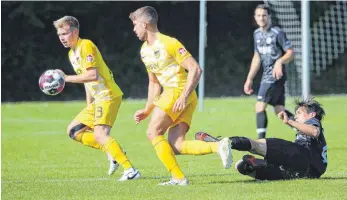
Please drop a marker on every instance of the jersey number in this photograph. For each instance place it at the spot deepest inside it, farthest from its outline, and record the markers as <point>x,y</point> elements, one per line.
<point>98,112</point>
<point>325,154</point>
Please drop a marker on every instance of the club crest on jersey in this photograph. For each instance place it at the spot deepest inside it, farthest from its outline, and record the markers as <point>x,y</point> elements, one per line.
<point>182,51</point>
<point>157,53</point>
<point>268,40</point>
<point>89,58</point>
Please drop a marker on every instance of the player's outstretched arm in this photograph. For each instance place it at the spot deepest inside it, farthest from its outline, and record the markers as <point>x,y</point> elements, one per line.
<point>255,66</point>
<point>194,74</point>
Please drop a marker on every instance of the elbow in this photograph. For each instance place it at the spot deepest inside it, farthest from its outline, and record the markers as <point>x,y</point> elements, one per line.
<point>199,72</point>
<point>93,77</point>
<point>291,54</point>
<point>315,133</point>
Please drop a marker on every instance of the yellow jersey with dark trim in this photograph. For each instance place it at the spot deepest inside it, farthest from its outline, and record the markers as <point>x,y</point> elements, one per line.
<point>164,59</point>
<point>86,55</point>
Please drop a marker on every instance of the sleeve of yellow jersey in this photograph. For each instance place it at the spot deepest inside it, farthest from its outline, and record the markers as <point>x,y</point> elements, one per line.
<point>88,55</point>
<point>178,51</point>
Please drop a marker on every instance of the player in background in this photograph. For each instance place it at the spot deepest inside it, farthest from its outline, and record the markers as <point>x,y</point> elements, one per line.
<point>306,157</point>
<point>92,126</point>
<point>166,60</point>
<point>272,50</point>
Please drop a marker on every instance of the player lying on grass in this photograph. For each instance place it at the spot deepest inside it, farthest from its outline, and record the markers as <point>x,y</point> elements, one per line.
<point>306,157</point>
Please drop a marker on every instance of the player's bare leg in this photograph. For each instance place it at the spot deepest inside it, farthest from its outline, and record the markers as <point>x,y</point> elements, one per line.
<point>111,146</point>
<point>193,147</point>
<point>158,125</point>
<point>84,134</point>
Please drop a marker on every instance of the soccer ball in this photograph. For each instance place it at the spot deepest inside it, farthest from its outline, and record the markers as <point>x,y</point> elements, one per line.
<point>51,82</point>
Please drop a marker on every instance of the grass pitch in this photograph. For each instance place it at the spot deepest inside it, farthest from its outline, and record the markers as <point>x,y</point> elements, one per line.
<point>39,160</point>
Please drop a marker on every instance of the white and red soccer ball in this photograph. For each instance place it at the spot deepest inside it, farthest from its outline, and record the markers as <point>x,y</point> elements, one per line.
<point>51,82</point>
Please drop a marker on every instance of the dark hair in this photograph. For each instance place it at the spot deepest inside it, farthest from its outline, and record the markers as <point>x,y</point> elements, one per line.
<point>263,6</point>
<point>311,106</point>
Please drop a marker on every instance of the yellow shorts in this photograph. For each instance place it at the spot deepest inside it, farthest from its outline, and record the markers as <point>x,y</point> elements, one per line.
<point>167,100</point>
<point>101,112</point>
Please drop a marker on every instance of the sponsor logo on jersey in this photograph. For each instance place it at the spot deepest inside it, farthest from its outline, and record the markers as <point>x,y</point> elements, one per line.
<point>182,51</point>
<point>265,49</point>
<point>89,58</point>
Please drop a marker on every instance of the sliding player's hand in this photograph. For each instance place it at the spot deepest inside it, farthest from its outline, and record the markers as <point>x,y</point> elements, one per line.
<point>277,72</point>
<point>248,87</point>
<point>180,104</point>
<point>283,116</point>
<point>140,115</point>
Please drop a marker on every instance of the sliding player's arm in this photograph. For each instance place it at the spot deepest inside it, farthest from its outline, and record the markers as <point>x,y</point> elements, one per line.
<point>309,128</point>
<point>306,129</point>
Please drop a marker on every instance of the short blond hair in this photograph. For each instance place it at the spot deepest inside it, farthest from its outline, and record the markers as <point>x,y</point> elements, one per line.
<point>67,20</point>
<point>149,14</point>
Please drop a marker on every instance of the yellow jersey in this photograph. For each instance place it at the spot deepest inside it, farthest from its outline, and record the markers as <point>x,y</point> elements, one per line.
<point>164,59</point>
<point>87,55</point>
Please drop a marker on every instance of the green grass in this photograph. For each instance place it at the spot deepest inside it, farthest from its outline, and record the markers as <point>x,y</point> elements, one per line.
<point>39,161</point>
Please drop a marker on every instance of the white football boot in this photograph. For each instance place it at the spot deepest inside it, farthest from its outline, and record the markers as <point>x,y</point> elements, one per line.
<point>130,174</point>
<point>183,182</point>
<point>224,151</point>
<point>113,165</point>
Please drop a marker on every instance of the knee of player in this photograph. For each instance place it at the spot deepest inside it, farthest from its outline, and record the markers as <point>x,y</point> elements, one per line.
<point>73,130</point>
<point>260,107</point>
<point>153,132</point>
<point>176,146</point>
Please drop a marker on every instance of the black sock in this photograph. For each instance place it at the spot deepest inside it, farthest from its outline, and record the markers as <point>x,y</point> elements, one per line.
<point>240,143</point>
<point>261,124</point>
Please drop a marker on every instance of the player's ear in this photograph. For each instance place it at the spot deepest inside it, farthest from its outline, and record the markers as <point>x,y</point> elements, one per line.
<point>312,114</point>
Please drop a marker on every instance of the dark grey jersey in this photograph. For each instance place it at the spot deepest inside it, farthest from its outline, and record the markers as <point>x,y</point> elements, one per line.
<point>270,45</point>
<point>317,146</point>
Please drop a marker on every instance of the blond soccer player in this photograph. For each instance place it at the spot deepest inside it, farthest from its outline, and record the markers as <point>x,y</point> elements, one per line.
<point>166,60</point>
<point>92,126</point>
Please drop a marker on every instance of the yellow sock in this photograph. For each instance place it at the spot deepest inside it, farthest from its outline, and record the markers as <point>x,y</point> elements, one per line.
<point>167,157</point>
<point>116,152</point>
<point>196,147</point>
<point>88,139</point>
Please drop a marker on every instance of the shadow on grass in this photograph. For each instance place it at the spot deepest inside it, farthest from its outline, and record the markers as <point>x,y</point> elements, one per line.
<point>334,178</point>
<point>189,176</point>
<point>266,181</point>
